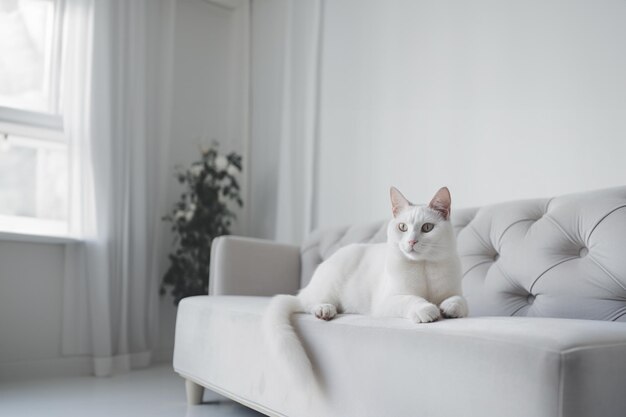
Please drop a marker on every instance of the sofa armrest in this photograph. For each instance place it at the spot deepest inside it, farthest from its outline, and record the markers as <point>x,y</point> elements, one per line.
<point>247,266</point>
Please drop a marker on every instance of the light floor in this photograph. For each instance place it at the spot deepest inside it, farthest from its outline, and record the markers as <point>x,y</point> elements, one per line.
<point>154,392</point>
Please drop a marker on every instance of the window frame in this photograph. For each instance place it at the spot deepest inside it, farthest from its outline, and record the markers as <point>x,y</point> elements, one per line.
<point>48,131</point>
<point>44,127</point>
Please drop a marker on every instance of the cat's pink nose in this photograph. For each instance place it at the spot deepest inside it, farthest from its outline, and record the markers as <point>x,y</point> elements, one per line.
<point>412,242</point>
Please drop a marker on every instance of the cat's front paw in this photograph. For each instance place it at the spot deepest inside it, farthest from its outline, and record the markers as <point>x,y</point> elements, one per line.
<point>424,313</point>
<point>324,311</point>
<point>454,307</point>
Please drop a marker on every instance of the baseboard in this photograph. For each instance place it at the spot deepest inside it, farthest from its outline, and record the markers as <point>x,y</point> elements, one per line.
<point>46,368</point>
<point>65,366</point>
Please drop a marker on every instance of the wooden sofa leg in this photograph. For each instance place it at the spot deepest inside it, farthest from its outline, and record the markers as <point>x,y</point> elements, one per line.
<point>194,392</point>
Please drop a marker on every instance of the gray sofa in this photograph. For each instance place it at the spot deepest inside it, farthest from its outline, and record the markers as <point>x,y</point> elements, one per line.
<point>546,283</point>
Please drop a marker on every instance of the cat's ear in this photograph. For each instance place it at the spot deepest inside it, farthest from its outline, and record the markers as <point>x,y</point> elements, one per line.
<point>441,202</point>
<point>398,201</point>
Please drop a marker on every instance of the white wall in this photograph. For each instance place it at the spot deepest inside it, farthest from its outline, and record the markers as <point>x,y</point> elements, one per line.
<point>284,72</point>
<point>267,75</point>
<point>31,289</point>
<point>31,310</point>
<point>497,99</point>
<point>199,90</point>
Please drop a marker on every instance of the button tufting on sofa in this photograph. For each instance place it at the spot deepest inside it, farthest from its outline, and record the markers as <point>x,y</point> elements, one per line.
<point>530,298</point>
<point>583,252</point>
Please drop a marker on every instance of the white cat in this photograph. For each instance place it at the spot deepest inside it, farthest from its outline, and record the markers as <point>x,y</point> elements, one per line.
<point>416,274</point>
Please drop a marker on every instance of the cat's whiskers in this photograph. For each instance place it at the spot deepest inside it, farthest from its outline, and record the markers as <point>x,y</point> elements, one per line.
<point>424,248</point>
<point>431,245</point>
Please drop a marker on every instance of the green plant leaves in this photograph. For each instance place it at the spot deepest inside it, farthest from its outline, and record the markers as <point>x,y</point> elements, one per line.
<point>203,212</point>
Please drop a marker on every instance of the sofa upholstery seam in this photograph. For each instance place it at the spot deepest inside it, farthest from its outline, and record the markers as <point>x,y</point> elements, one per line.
<point>617,318</point>
<point>484,243</point>
<point>508,278</point>
<point>476,266</point>
<point>514,314</point>
<point>590,347</point>
<point>507,229</point>
<point>561,229</point>
<point>608,273</point>
<point>593,229</point>
<point>530,290</point>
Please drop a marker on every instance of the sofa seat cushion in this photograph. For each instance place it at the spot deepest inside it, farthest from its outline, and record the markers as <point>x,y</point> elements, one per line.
<point>485,366</point>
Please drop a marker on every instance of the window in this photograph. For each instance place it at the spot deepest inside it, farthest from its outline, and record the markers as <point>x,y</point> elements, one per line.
<point>34,160</point>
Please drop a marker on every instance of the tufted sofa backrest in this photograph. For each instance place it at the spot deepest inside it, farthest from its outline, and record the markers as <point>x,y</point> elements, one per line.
<point>558,257</point>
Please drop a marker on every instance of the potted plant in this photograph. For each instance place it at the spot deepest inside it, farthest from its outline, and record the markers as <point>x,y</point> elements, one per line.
<point>204,211</point>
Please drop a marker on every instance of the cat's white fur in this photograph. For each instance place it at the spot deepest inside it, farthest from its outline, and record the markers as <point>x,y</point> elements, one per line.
<point>415,275</point>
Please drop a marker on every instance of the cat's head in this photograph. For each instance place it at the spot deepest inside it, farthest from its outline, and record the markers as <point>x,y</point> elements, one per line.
<point>421,232</point>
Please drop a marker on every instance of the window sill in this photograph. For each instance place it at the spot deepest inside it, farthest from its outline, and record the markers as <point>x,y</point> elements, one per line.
<point>32,238</point>
<point>29,229</point>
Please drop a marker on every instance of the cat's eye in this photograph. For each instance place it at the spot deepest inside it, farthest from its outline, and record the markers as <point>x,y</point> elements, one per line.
<point>427,227</point>
<point>402,227</point>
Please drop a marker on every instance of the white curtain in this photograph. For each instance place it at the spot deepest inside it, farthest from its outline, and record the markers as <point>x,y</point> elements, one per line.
<point>287,80</point>
<point>115,104</point>
<point>298,131</point>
